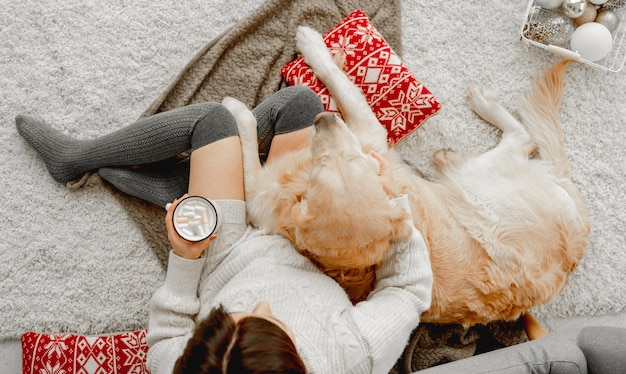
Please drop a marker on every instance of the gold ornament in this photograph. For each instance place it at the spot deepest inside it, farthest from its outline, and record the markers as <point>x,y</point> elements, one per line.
<point>589,15</point>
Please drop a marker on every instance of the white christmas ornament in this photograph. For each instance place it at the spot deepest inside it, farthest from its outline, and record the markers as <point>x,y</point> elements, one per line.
<point>597,2</point>
<point>592,41</point>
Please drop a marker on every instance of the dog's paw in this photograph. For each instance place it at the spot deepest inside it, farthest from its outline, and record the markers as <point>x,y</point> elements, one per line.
<point>482,100</point>
<point>309,41</point>
<point>233,105</point>
<point>312,48</point>
<point>246,121</point>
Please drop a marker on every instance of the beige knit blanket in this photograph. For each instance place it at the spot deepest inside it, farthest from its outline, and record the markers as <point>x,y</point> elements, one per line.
<point>245,62</point>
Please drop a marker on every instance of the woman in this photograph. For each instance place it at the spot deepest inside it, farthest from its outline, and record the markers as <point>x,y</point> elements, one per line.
<point>230,280</point>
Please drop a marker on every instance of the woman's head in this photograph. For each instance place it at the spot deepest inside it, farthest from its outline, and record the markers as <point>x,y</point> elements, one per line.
<point>240,343</point>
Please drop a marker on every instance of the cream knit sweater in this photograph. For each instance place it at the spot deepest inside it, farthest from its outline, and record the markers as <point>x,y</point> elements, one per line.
<point>244,266</point>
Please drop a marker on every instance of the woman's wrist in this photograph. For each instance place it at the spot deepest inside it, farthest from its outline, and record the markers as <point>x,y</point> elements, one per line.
<point>186,254</point>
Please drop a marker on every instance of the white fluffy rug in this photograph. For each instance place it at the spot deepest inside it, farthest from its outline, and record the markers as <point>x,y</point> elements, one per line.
<point>87,260</point>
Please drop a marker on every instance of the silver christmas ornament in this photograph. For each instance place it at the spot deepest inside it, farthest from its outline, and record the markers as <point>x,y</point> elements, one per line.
<point>614,5</point>
<point>609,19</point>
<point>574,8</point>
<point>548,27</point>
<point>549,4</point>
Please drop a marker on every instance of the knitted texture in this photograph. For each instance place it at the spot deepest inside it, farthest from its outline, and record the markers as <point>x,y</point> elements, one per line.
<point>120,353</point>
<point>159,183</point>
<point>432,344</point>
<point>399,100</point>
<point>245,61</point>
<point>152,139</point>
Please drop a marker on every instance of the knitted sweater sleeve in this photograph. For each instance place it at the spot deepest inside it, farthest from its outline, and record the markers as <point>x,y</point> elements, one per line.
<point>403,291</point>
<point>172,310</point>
<point>175,305</point>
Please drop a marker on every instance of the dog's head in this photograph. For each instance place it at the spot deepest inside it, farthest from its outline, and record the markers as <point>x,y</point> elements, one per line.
<point>345,218</point>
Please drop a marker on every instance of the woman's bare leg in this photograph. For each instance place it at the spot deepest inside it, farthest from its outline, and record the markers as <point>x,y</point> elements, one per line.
<point>216,170</point>
<point>288,142</point>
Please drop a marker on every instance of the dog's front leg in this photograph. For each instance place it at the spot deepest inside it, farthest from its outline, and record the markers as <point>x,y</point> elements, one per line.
<point>246,124</point>
<point>349,98</point>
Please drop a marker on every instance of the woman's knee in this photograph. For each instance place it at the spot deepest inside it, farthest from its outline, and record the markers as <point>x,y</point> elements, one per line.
<point>215,123</point>
<point>299,109</point>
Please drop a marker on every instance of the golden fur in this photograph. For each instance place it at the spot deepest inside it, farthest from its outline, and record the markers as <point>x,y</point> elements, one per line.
<point>504,229</point>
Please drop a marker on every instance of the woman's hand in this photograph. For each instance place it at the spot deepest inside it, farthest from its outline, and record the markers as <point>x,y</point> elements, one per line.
<point>182,247</point>
<point>385,175</point>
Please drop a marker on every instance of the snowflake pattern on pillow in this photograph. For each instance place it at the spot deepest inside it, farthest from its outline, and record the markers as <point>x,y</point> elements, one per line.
<point>401,103</point>
<point>123,353</point>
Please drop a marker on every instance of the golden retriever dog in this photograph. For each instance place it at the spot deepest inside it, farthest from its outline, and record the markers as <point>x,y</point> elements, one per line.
<point>504,229</point>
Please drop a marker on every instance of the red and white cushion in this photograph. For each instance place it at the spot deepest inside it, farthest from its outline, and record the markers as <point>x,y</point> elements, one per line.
<point>79,354</point>
<point>401,103</point>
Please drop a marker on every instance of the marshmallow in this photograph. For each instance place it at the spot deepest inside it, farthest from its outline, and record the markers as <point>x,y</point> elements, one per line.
<point>195,218</point>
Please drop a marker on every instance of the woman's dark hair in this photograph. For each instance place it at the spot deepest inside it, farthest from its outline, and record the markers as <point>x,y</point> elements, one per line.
<point>253,345</point>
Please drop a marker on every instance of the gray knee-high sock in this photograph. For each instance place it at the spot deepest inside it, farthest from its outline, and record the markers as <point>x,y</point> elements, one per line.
<point>159,183</point>
<point>156,138</point>
<point>290,109</point>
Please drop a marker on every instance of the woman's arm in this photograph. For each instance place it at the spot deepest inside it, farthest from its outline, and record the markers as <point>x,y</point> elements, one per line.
<point>175,303</point>
<point>172,310</point>
<point>403,291</point>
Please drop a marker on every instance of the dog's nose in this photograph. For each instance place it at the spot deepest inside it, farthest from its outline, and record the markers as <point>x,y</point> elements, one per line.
<point>324,118</point>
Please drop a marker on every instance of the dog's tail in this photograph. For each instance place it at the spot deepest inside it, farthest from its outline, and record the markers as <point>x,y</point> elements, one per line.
<point>540,113</point>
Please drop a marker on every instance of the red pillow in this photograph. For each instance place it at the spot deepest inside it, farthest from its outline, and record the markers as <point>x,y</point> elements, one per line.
<point>401,103</point>
<point>70,353</point>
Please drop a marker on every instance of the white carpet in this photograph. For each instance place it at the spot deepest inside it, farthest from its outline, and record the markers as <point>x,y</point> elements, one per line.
<point>88,260</point>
